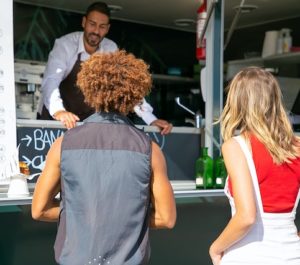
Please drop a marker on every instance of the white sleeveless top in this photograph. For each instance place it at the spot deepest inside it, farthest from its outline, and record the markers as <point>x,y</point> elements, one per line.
<point>273,239</point>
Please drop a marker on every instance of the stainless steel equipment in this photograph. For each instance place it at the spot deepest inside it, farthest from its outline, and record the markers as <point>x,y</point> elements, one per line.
<point>28,80</point>
<point>197,115</point>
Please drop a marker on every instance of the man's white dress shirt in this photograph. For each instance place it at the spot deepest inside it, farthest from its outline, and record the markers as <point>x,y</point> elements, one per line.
<point>60,63</point>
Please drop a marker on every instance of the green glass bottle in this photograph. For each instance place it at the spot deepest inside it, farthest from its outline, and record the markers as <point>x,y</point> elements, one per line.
<point>220,172</point>
<point>204,170</point>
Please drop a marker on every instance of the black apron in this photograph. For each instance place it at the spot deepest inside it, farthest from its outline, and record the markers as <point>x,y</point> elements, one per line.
<point>71,95</point>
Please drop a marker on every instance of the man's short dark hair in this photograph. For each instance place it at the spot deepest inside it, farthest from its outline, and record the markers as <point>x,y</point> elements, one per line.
<point>100,7</point>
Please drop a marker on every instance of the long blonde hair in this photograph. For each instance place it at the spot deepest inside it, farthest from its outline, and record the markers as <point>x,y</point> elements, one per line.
<point>254,105</point>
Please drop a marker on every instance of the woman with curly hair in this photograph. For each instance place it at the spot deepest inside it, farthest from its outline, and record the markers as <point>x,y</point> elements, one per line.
<point>263,165</point>
<point>107,172</point>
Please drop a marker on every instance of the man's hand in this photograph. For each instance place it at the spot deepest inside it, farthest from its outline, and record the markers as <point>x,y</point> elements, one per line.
<point>68,119</point>
<point>164,126</point>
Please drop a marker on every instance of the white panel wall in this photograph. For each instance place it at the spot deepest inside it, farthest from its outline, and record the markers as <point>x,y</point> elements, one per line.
<point>7,88</point>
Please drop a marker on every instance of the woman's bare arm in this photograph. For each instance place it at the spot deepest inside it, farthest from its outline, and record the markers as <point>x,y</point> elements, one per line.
<point>244,200</point>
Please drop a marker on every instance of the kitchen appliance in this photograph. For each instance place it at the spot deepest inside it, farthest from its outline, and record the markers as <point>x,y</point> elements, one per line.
<point>28,80</point>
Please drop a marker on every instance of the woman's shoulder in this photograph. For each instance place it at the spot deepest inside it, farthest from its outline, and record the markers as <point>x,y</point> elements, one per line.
<point>66,45</point>
<point>231,145</point>
<point>73,37</point>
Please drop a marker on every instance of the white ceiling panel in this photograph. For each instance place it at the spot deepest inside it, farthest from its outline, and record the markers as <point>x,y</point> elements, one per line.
<point>164,12</point>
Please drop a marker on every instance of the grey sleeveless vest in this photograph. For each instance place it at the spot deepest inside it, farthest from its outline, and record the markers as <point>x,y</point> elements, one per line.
<point>105,191</point>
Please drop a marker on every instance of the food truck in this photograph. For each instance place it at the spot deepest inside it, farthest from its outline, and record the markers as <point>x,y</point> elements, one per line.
<point>202,213</point>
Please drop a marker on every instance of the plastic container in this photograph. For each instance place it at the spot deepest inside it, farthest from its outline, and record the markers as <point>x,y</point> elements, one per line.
<point>18,186</point>
<point>286,40</point>
<point>270,43</point>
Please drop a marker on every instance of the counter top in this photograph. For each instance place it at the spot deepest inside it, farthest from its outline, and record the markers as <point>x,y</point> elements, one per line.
<point>57,124</point>
<point>6,200</point>
<point>180,192</point>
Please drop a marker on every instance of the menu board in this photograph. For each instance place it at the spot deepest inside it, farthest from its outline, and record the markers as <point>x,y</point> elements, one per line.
<point>180,149</point>
<point>34,144</point>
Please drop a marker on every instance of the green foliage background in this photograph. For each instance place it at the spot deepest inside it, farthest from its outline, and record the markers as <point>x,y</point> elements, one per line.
<point>35,29</point>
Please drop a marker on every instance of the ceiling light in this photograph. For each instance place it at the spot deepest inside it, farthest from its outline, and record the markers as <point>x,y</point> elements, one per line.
<point>114,8</point>
<point>184,22</point>
<point>246,8</point>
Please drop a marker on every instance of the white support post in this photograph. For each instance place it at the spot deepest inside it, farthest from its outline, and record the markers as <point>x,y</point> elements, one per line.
<point>214,77</point>
<point>7,88</point>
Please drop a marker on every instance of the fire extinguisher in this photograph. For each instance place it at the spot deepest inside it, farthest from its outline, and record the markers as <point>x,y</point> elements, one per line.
<point>201,17</point>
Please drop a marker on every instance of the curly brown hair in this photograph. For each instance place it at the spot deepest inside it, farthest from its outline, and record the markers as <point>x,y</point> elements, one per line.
<point>115,81</point>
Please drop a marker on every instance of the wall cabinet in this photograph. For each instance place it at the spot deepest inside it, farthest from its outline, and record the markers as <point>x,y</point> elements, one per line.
<point>286,68</point>
<point>286,64</point>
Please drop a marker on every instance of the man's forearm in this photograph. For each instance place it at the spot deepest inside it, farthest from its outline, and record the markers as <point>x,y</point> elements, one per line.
<point>51,213</point>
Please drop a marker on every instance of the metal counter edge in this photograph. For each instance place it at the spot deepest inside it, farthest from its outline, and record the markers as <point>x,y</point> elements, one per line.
<point>57,124</point>
<point>180,193</point>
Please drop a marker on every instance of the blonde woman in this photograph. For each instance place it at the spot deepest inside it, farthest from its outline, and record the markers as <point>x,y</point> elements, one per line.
<point>263,164</point>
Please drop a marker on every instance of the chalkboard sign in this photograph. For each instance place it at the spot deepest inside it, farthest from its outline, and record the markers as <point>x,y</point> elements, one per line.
<point>180,149</point>
<point>34,144</point>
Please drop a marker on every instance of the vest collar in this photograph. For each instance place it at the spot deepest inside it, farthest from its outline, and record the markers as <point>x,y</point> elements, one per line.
<point>109,117</point>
